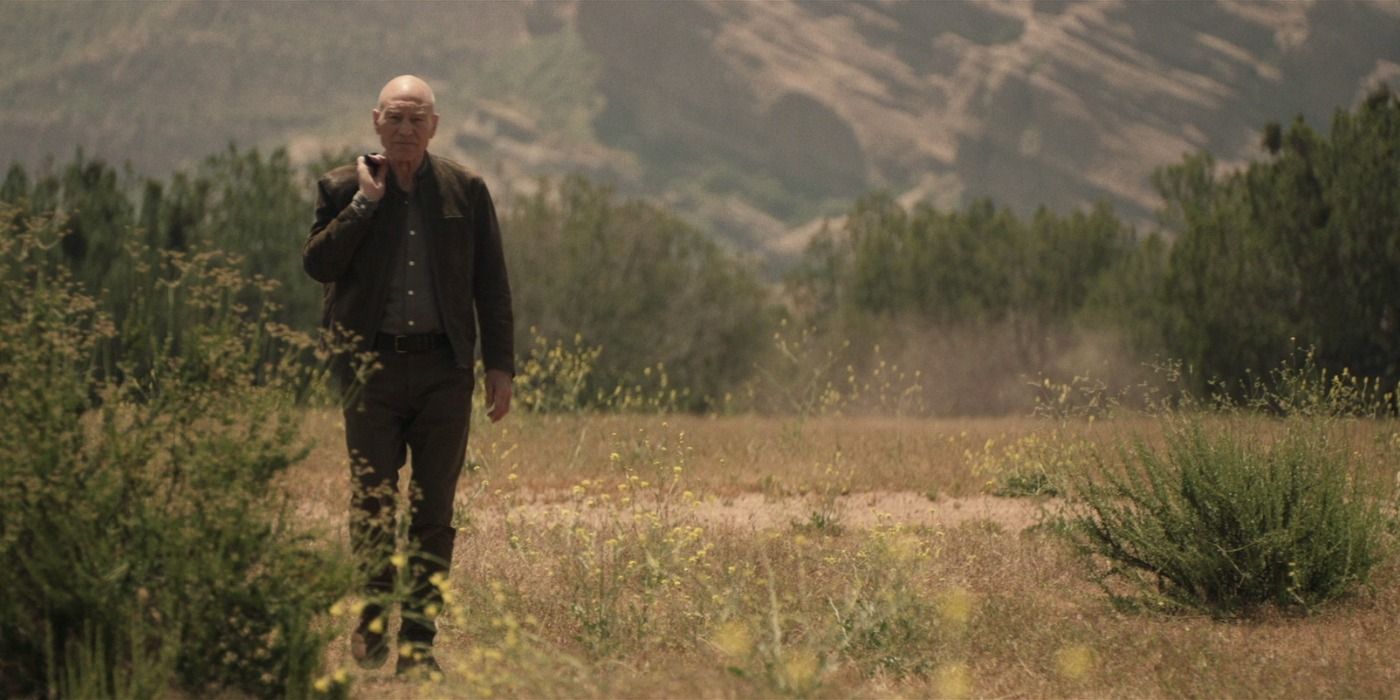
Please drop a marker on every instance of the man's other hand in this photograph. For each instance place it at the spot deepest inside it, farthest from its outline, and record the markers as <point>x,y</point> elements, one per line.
<point>498,389</point>
<point>372,184</point>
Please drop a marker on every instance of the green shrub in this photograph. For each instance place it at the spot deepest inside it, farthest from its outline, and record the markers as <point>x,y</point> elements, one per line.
<point>1224,522</point>
<point>142,543</point>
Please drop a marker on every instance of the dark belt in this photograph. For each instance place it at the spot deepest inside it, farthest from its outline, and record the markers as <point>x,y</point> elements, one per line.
<point>424,342</point>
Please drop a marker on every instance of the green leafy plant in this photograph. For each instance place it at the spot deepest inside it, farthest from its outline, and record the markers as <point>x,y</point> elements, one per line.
<point>143,545</point>
<point>1225,522</point>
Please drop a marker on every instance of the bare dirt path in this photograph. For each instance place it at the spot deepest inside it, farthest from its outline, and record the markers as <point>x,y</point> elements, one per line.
<point>865,510</point>
<point>757,512</point>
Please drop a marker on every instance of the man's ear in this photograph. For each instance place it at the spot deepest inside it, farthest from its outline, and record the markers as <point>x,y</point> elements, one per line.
<point>374,115</point>
<point>435,124</point>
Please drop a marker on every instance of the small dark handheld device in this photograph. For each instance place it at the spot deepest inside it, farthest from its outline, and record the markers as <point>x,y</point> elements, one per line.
<point>372,164</point>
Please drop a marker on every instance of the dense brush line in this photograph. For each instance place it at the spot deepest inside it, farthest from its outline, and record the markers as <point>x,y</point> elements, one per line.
<point>1297,249</point>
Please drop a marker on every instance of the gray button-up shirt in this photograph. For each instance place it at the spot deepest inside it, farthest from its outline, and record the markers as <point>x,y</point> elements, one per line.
<point>411,306</point>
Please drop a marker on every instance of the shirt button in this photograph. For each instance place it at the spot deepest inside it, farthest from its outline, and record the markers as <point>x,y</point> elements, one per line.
<point>410,323</point>
<point>412,233</point>
<point>411,263</point>
<point>410,292</point>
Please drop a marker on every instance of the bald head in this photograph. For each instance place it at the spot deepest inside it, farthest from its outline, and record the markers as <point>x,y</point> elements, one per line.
<point>406,120</point>
<point>407,88</point>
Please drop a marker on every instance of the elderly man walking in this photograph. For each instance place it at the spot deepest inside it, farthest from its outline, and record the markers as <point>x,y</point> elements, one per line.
<point>409,250</point>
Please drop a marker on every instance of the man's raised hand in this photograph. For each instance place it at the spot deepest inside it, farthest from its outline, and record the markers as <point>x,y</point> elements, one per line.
<point>372,180</point>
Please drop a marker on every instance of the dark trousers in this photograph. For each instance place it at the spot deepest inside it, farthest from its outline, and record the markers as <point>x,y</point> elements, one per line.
<point>419,404</point>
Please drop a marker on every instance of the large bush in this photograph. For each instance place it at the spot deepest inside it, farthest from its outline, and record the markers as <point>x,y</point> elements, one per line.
<point>1222,520</point>
<point>142,543</point>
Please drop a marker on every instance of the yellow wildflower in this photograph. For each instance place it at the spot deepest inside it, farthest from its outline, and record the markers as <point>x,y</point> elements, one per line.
<point>953,681</point>
<point>734,640</point>
<point>800,671</point>
<point>1074,661</point>
<point>955,606</point>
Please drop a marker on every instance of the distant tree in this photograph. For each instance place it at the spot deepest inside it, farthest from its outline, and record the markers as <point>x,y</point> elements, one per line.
<point>236,202</point>
<point>1059,261</point>
<point>1356,215</point>
<point>99,218</point>
<point>15,188</point>
<point>257,207</point>
<point>1127,298</point>
<point>1226,297</point>
<point>979,266</point>
<point>815,284</point>
<point>1299,250</point>
<point>637,281</point>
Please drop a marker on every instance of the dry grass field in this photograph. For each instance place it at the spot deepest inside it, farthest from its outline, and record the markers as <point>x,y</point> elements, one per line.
<point>680,556</point>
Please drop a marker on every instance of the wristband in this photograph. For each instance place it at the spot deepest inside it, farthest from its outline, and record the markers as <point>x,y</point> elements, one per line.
<point>362,206</point>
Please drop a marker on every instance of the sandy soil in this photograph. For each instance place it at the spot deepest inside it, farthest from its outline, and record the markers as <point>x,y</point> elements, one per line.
<point>757,512</point>
<point>866,510</point>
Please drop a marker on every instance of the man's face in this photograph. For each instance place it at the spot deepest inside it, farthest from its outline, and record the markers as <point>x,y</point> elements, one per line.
<point>404,128</point>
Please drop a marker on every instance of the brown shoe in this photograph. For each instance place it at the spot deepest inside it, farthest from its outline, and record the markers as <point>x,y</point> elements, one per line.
<point>369,648</point>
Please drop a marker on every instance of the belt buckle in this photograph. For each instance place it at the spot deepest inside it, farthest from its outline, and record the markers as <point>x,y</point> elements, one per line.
<point>398,349</point>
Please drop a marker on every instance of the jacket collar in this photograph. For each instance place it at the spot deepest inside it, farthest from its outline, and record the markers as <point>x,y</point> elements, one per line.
<point>437,173</point>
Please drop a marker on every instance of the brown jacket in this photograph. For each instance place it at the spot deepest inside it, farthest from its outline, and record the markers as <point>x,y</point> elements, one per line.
<point>352,257</point>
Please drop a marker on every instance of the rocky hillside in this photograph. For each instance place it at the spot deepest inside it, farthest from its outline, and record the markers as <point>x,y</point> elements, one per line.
<point>753,119</point>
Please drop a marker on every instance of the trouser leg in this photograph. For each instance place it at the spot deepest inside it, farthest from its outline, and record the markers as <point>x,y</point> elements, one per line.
<point>375,438</point>
<point>437,438</point>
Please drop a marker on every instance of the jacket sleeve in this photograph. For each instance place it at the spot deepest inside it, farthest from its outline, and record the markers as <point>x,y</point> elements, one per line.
<point>491,286</point>
<point>335,234</point>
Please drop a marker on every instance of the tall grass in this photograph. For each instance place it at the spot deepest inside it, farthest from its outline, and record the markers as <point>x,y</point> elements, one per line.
<point>142,546</point>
